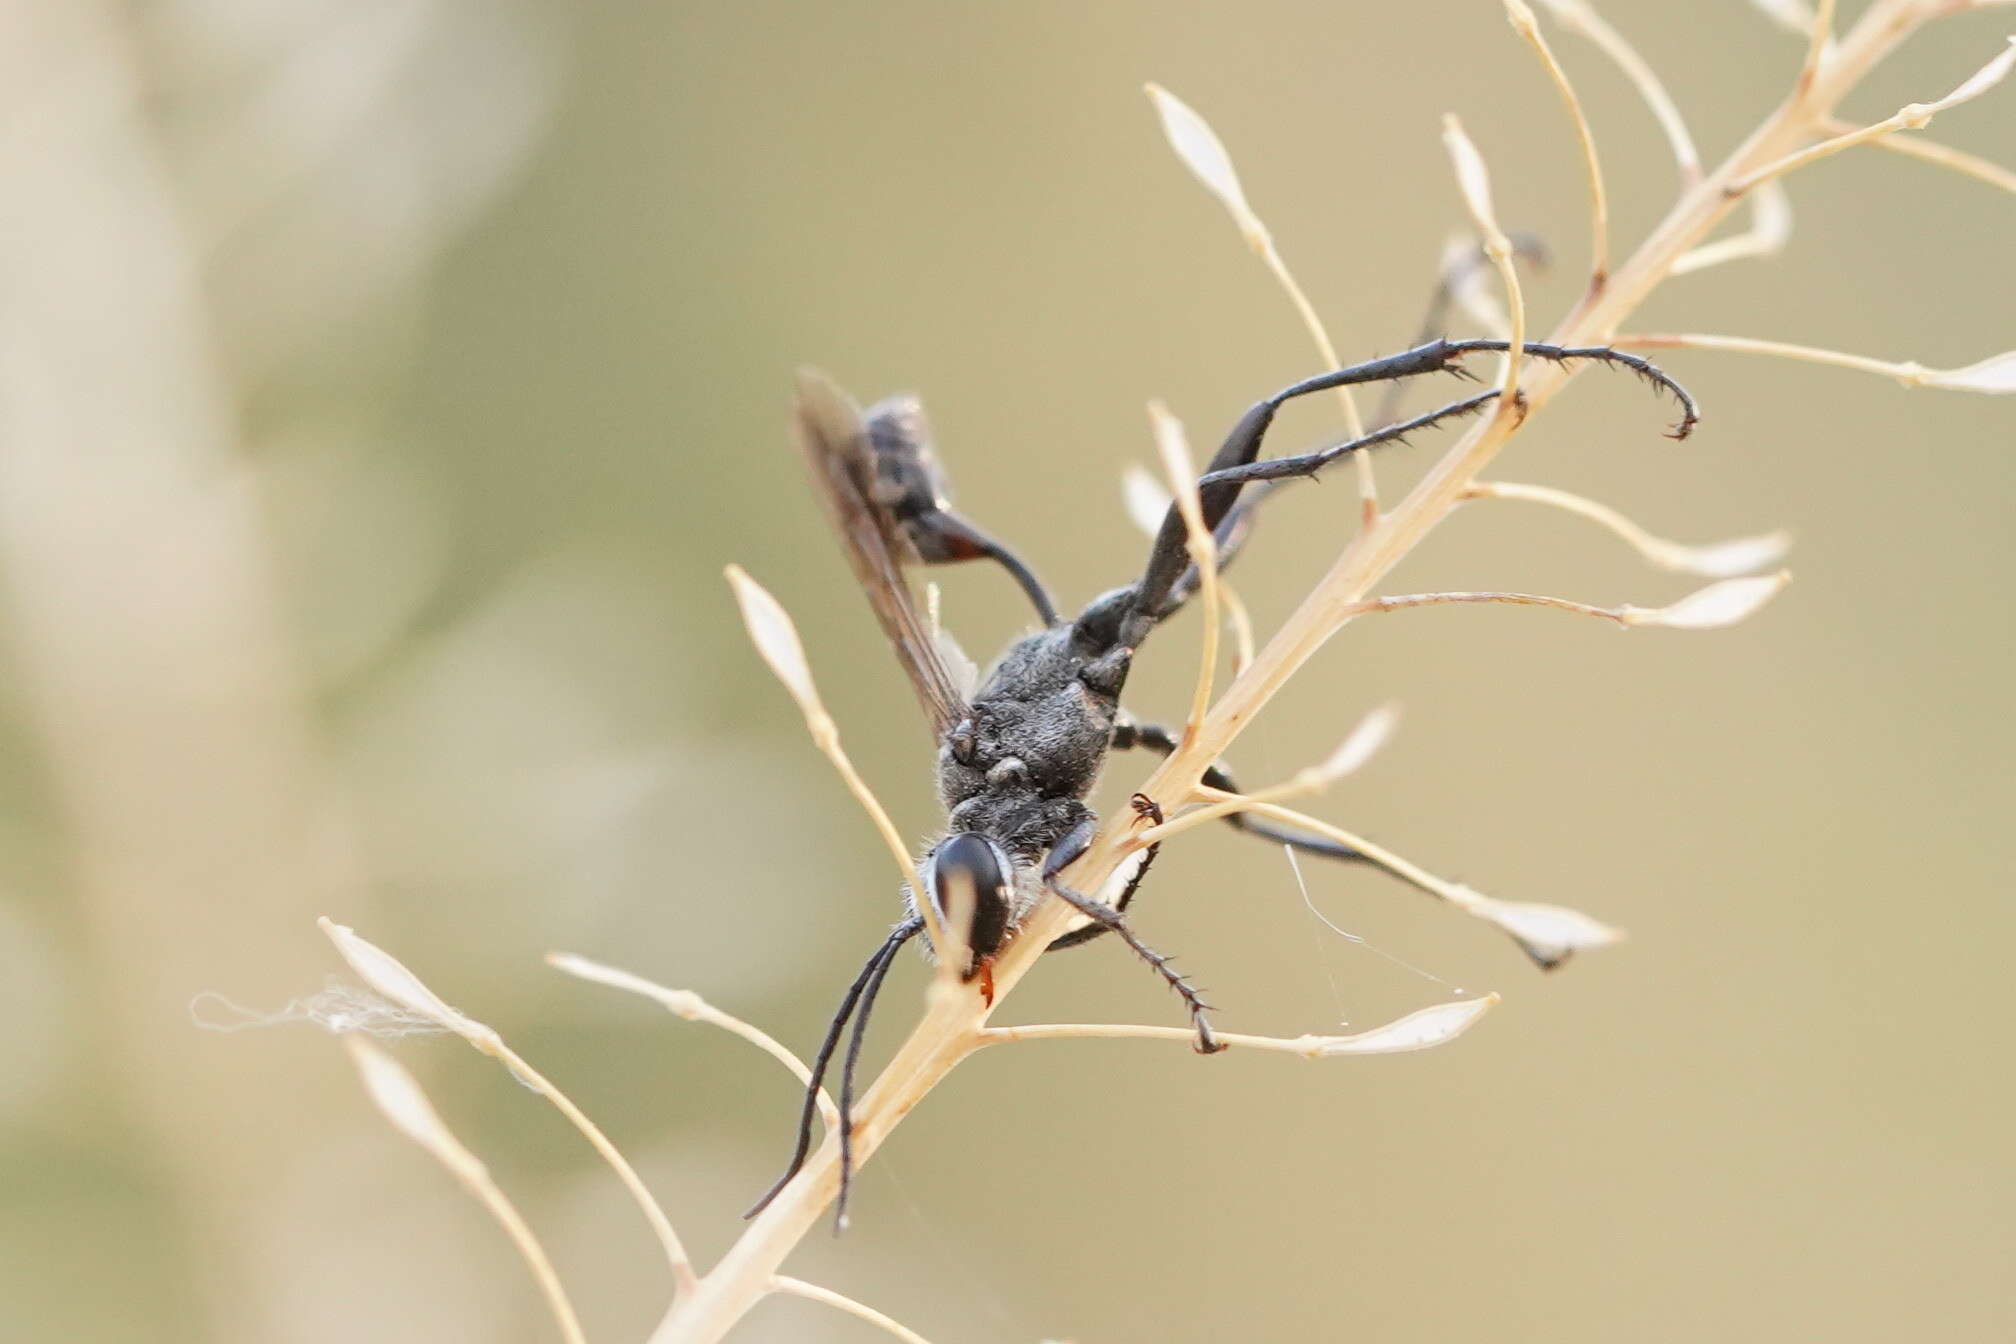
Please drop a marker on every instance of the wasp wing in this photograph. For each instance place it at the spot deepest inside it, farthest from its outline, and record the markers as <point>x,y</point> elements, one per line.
<point>831,432</point>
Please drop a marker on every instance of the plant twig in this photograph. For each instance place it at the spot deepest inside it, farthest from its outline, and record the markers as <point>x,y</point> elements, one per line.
<point>1770,229</point>
<point>389,976</point>
<point>1716,560</point>
<point>1710,608</point>
<point>1421,1029</point>
<point>1176,461</point>
<point>951,1027</point>
<point>1580,17</point>
<point>1205,156</point>
<point>393,1090</point>
<point>776,639</point>
<point>1528,27</point>
<point>1910,117</point>
<point>684,1003</point>
<point>1995,374</point>
<point>1918,147</point>
<point>782,1283</point>
<point>1549,934</point>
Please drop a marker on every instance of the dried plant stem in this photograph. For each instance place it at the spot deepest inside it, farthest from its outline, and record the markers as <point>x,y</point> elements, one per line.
<point>1309,1047</point>
<point>1770,227</point>
<point>952,1026</point>
<point>1241,622</point>
<point>1414,873</point>
<point>1175,450</point>
<point>1917,147</point>
<point>661,1227</point>
<point>399,1096</point>
<point>1307,782</point>
<point>777,641</point>
<point>1910,117</point>
<point>1528,28</point>
<point>1621,615</point>
<point>686,1004</point>
<point>1697,212</point>
<point>388,976</point>
<point>1452,1019</point>
<point>1818,40</point>
<point>1716,560</point>
<point>1354,420</point>
<point>535,1258</point>
<point>1198,146</point>
<point>1578,16</point>
<point>1908,372</point>
<point>812,1292</point>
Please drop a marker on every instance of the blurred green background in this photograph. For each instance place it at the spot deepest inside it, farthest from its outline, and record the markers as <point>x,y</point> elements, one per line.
<point>386,384</point>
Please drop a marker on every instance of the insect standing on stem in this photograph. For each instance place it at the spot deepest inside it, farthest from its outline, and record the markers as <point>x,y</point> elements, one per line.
<point>1018,753</point>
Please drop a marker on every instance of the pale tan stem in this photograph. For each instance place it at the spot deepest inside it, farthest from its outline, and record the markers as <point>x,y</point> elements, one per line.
<point>1819,40</point>
<point>1770,228</point>
<point>776,638</point>
<point>1421,1029</point>
<point>1578,15</point>
<point>1715,560</point>
<point>1918,147</point>
<point>1910,117</point>
<point>1312,321</point>
<point>1198,541</point>
<point>685,1004</point>
<point>948,1031</point>
<point>1304,783</point>
<point>1527,27</point>
<point>399,1096</point>
<point>1379,855</point>
<point>683,1277</point>
<point>1692,218</point>
<point>783,1283</point>
<point>1241,622</point>
<point>1405,600</point>
<point>1904,371</point>
<point>1474,181</point>
<point>535,1258</point>
<point>1308,1047</point>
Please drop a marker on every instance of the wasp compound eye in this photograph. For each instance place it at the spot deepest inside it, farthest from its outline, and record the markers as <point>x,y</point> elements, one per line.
<point>973,888</point>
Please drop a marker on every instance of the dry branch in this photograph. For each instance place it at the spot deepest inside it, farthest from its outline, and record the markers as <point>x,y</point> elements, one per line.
<point>953,1026</point>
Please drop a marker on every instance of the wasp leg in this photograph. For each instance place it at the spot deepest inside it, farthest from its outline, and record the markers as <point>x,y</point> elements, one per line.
<point>1062,855</point>
<point>1308,464</point>
<point>1153,737</point>
<point>1227,539</point>
<point>1146,807</point>
<point>1237,525</point>
<point>1528,249</point>
<point>1233,465</point>
<point>902,934</point>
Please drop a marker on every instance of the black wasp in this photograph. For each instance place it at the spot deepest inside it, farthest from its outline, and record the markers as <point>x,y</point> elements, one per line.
<point>1017,755</point>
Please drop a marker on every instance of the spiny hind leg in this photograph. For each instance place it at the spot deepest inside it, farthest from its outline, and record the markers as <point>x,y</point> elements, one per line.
<point>1061,856</point>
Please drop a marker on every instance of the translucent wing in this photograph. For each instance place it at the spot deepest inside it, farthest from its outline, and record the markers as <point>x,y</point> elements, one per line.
<point>836,448</point>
